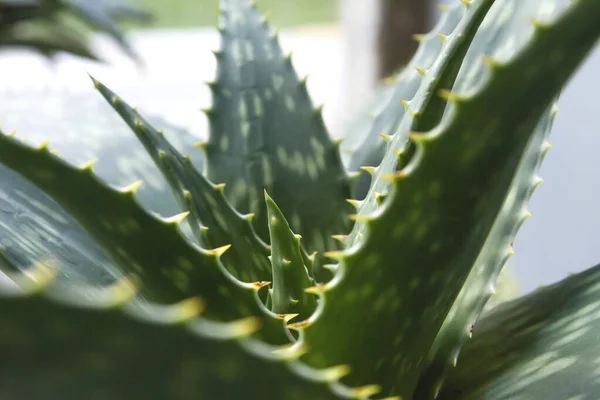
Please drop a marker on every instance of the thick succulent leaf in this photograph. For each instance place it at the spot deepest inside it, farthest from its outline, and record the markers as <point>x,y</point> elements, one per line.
<point>425,109</point>
<point>70,348</point>
<point>363,145</point>
<point>103,14</point>
<point>265,134</point>
<point>420,246</point>
<point>14,11</point>
<point>541,346</point>
<point>170,267</point>
<point>247,259</point>
<point>290,274</point>
<point>100,14</point>
<point>32,224</point>
<point>49,41</point>
<point>480,285</point>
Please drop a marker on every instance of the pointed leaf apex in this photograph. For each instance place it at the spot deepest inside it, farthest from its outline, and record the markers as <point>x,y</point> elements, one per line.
<point>286,317</point>
<point>385,137</point>
<point>366,391</point>
<point>546,146</point>
<point>359,218</point>
<point>353,175</point>
<point>442,36</point>
<point>421,71</point>
<point>490,61</point>
<point>123,290</point>
<point>335,255</point>
<point>370,170</point>
<point>39,276</point>
<point>44,144</point>
<point>340,238</point>
<point>88,165</point>
<point>132,187</point>
<point>316,289</point>
<point>449,95</point>
<point>260,284</point>
<point>178,218</point>
<point>268,198</point>
<point>201,144</point>
<point>188,309</point>
<point>219,251</point>
<point>398,153</point>
<point>418,37</point>
<point>355,203</point>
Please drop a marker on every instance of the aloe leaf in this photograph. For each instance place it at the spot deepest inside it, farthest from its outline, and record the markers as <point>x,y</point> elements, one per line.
<point>420,246</point>
<point>480,285</point>
<point>543,345</point>
<point>290,274</point>
<point>363,145</point>
<point>266,134</point>
<point>103,14</point>
<point>425,109</point>
<point>75,342</point>
<point>32,224</point>
<point>170,267</point>
<point>209,209</point>
<point>55,39</point>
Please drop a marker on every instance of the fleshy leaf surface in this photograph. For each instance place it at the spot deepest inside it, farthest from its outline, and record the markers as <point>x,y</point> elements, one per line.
<point>53,35</point>
<point>153,248</point>
<point>83,127</point>
<point>541,346</point>
<point>363,145</point>
<point>247,259</point>
<point>421,244</point>
<point>290,274</point>
<point>60,345</point>
<point>266,134</point>
<point>498,36</point>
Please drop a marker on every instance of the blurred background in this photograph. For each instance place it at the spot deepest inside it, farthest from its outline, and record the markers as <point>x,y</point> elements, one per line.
<point>345,47</point>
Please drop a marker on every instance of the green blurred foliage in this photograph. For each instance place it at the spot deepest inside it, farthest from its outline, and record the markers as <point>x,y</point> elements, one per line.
<point>283,13</point>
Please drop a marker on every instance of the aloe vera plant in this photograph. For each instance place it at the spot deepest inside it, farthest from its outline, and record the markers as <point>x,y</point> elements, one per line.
<point>37,24</point>
<point>246,294</point>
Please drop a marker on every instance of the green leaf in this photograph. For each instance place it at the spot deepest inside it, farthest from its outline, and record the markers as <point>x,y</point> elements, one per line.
<point>480,285</point>
<point>426,108</point>
<point>22,20</point>
<point>170,268</point>
<point>54,39</point>
<point>541,346</point>
<point>363,145</point>
<point>290,274</point>
<point>102,14</point>
<point>421,245</point>
<point>265,134</point>
<point>76,342</point>
<point>209,209</point>
<point>32,224</point>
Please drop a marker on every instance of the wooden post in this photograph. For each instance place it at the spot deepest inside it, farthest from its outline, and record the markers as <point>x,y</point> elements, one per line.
<point>399,21</point>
